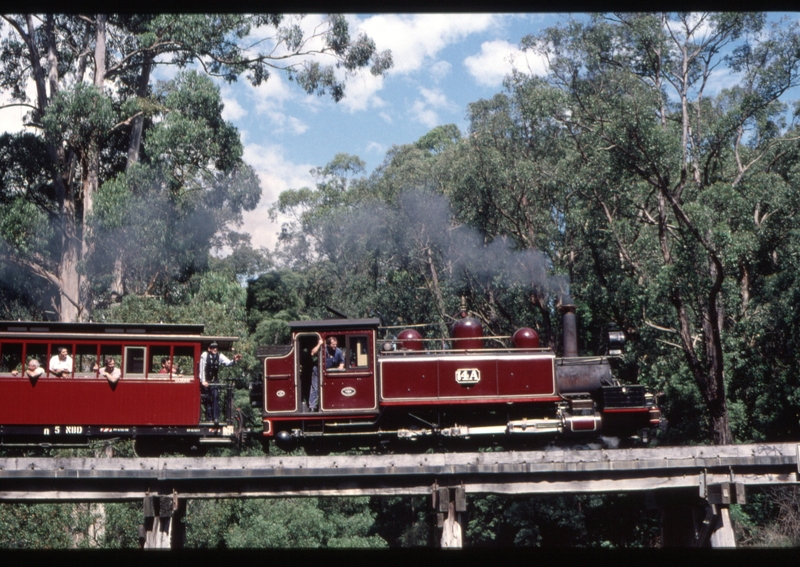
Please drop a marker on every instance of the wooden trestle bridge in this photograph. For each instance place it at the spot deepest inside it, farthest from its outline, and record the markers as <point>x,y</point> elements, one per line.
<point>692,486</point>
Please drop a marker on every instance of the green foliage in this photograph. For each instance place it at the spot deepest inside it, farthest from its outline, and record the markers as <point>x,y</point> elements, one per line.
<point>78,117</point>
<point>562,521</point>
<point>158,223</point>
<point>35,526</point>
<point>281,522</point>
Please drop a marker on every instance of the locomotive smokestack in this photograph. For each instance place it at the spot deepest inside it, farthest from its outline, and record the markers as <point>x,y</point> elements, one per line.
<point>570,330</point>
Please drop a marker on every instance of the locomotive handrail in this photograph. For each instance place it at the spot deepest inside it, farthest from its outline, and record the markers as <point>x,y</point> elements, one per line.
<point>504,350</point>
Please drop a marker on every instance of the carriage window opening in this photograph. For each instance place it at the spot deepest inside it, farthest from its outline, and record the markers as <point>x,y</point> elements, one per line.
<point>86,360</point>
<point>65,368</point>
<point>111,351</point>
<point>10,358</point>
<point>159,363</point>
<point>358,349</point>
<point>36,351</point>
<point>183,363</point>
<point>134,360</point>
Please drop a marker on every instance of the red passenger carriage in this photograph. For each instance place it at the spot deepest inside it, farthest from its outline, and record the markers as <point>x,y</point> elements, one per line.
<point>147,403</point>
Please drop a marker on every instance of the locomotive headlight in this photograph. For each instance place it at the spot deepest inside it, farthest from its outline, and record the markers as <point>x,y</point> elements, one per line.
<point>616,342</point>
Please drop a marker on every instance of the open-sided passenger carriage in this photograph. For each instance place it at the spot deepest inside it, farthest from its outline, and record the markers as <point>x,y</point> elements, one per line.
<point>150,404</point>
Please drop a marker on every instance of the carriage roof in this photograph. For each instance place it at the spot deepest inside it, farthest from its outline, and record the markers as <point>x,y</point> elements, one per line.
<point>28,330</point>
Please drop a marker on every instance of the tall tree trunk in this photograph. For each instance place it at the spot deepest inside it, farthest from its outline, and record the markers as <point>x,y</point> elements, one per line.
<point>90,164</point>
<point>70,308</point>
<point>68,276</point>
<point>138,122</point>
<point>134,147</point>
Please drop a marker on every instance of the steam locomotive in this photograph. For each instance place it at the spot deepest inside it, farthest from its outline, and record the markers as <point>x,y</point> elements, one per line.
<point>461,387</point>
<point>382,388</point>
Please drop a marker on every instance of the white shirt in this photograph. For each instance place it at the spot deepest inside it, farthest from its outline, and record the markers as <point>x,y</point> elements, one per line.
<point>57,364</point>
<point>223,361</point>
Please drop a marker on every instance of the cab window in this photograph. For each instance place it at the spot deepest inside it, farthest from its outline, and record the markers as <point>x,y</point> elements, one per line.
<point>37,351</point>
<point>357,353</point>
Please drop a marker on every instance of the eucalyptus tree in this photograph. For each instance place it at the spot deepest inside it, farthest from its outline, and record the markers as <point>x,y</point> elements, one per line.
<point>94,102</point>
<point>503,181</point>
<point>679,182</point>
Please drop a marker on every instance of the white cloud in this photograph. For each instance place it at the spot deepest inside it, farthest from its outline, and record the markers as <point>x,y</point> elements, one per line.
<point>497,59</point>
<point>425,109</point>
<point>416,39</point>
<point>361,92</point>
<point>232,109</point>
<point>386,117</point>
<point>440,70</point>
<point>12,118</point>
<point>276,174</point>
<point>269,101</point>
<point>376,148</point>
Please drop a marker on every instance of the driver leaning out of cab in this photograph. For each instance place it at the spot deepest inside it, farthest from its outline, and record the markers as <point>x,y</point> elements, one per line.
<point>334,358</point>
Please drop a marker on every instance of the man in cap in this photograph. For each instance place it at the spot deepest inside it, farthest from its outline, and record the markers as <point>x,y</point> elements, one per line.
<point>210,361</point>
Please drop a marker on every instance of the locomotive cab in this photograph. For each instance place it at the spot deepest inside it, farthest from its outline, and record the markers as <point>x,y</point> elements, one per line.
<point>288,371</point>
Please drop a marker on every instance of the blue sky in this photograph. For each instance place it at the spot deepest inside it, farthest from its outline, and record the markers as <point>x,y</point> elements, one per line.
<point>442,62</point>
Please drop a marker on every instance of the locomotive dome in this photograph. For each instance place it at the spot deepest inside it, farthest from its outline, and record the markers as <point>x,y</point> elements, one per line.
<point>468,333</point>
<point>410,339</point>
<point>525,337</point>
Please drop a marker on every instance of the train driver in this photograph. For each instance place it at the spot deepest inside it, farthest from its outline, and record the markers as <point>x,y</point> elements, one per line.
<point>333,358</point>
<point>61,363</point>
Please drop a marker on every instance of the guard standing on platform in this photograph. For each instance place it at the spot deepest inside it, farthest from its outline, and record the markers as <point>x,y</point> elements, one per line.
<point>210,361</point>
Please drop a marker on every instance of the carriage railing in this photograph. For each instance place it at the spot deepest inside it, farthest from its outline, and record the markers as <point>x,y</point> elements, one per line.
<point>226,401</point>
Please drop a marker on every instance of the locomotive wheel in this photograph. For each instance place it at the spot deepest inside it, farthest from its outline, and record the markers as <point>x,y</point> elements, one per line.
<point>285,442</point>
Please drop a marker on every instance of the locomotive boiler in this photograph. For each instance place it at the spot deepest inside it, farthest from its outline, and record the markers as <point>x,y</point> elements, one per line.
<point>459,387</point>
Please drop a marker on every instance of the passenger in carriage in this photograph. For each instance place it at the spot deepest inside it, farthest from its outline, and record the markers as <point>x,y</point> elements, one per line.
<point>111,372</point>
<point>35,370</point>
<point>61,364</point>
<point>166,366</point>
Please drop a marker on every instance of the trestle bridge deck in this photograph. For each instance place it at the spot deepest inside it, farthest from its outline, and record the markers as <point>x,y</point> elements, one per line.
<point>522,472</point>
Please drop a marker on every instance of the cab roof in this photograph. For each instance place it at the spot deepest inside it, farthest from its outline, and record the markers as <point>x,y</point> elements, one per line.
<point>335,324</point>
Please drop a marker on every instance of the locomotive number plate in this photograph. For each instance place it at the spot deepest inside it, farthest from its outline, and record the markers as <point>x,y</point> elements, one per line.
<point>468,376</point>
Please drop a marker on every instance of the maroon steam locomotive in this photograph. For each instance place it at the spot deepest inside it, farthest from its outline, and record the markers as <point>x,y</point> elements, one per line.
<point>459,387</point>
<point>381,389</point>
